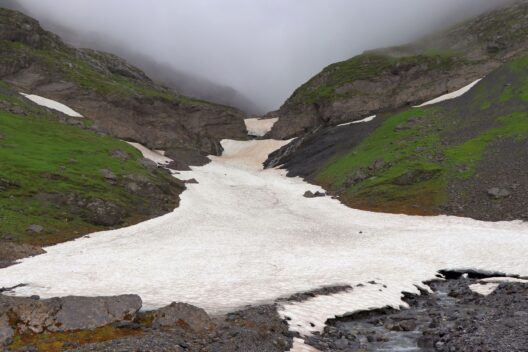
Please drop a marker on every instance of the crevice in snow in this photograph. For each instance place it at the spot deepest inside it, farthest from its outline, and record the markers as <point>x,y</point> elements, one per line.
<point>451,95</point>
<point>52,104</point>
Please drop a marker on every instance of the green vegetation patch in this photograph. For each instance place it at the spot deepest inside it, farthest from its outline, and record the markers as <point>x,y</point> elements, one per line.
<point>39,154</point>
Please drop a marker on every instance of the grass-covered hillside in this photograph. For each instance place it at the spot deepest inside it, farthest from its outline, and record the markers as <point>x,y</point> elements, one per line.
<point>393,78</point>
<point>59,180</point>
<point>467,156</point>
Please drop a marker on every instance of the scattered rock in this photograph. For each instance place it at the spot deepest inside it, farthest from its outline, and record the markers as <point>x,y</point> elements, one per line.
<point>37,229</point>
<point>191,181</point>
<point>498,193</point>
<point>357,177</point>
<point>310,194</point>
<point>6,185</point>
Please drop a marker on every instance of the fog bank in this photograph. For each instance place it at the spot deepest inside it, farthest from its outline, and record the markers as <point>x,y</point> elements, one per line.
<point>262,49</point>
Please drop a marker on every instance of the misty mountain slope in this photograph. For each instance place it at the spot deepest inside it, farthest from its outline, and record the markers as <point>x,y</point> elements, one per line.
<point>60,180</point>
<point>393,78</point>
<point>120,98</point>
<point>463,157</point>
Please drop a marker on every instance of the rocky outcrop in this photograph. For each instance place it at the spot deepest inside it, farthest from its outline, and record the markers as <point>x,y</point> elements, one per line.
<point>183,315</point>
<point>393,78</point>
<point>11,251</point>
<point>119,98</point>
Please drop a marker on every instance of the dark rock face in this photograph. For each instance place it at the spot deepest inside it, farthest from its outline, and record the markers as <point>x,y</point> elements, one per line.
<point>139,110</point>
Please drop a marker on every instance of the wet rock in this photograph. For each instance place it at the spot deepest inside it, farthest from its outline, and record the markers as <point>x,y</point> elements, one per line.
<point>36,229</point>
<point>104,213</point>
<point>498,193</point>
<point>6,331</point>
<point>183,315</point>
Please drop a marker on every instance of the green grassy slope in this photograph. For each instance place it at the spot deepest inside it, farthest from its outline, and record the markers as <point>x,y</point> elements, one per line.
<point>39,155</point>
<point>408,163</point>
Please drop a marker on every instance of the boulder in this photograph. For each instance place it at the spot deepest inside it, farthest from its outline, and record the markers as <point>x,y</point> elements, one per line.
<point>68,313</point>
<point>6,331</point>
<point>183,315</point>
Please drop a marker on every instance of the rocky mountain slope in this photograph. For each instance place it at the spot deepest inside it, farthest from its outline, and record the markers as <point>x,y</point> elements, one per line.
<point>392,78</point>
<point>119,98</point>
<point>464,157</point>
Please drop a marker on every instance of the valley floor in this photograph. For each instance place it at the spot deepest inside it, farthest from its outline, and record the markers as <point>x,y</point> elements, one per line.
<point>247,236</point>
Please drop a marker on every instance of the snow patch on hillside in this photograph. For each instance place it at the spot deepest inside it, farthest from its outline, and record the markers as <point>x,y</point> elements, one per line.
<point>451,95</point>
<point>52,104</point>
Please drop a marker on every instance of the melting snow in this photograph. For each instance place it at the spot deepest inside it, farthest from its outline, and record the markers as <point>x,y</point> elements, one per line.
<point>451,95</point>
<point>367,119</point>
<point>259,127</point>
<point>52,104</point>
<point>245,235</point>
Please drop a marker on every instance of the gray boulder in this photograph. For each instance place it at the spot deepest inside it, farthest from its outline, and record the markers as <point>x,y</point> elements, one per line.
<point>498,193</point>
<point>182,314</point>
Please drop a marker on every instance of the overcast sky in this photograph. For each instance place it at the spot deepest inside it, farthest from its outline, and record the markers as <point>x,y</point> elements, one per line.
<point>263,48</point>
